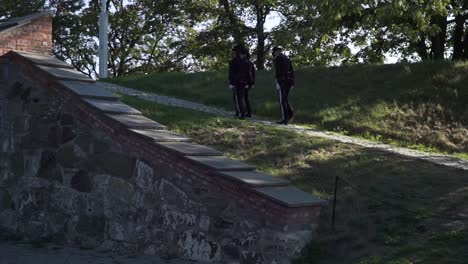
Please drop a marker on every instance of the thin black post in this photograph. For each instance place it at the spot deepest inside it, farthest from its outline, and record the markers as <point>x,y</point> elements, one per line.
<point>334,203</point>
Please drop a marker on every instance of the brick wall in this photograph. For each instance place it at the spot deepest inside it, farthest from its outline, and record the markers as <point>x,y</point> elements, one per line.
<point>71,174</point>
<point>35,36</point>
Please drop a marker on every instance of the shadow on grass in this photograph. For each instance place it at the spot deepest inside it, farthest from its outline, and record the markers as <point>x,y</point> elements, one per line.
<point>421,103</point>
<point>390,207</point>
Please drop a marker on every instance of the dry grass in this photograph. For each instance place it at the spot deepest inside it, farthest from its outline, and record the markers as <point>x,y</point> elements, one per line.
<point>400,210</point>
<point>422,106</point>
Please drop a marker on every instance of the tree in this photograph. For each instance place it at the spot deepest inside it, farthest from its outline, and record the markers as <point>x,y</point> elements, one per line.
<point>18,8</point>
<point>425,30</point>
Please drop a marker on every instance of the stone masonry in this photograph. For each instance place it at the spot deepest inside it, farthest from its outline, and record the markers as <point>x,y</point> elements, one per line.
<point>79,167</point>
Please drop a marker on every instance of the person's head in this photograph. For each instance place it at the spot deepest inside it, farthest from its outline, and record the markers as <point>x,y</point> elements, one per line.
<point>244,52</point>
<point>239,50</point>
<point>277,51</point>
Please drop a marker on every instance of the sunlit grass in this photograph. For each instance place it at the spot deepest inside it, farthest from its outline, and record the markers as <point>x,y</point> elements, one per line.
<point>412,191</point>
<point>410,105</point>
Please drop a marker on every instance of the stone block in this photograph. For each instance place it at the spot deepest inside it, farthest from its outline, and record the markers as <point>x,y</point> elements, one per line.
<point>90,90</point>
<point>119,190</point>
<point>48,167</point>
<point>4,70</point>
<point>197,246</point>
<point>172,195</point>
<point>289,196</point>
<point>21,124</point>
<point>44,60</point>
<point>136,122</point>
<point>17,162</point>
<point>91,226</point>
<point>112,107</point>
<point>54,137</point>
<point>82,182</point>
<point>66,157</point>
<point>68,134</point>
<point>221,163</point>
<point>67,119</point>
<point>66,74</point>
<point>53,174</point>
<point>254,178</point>
<point>5,200</point>
<point>144,175</point>
<point>100,146</point>
<point>190,149</point>
<point>160,135</point>
<point>115,164</point>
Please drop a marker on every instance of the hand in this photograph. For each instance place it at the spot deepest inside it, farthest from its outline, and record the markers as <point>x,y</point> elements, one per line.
<point>231,86</point>
<point>292,87</point>
<point>246,87</point>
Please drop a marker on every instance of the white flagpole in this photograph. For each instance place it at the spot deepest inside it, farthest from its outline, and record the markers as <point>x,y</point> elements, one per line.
<point>103,40</point>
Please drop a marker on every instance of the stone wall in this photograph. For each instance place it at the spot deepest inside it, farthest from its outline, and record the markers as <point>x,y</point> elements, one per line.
<point>32,36</point>
<point>95,173</point>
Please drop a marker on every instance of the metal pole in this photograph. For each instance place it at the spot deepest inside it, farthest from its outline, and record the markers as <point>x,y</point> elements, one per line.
<point>103,40</point>
<point>334,203</point>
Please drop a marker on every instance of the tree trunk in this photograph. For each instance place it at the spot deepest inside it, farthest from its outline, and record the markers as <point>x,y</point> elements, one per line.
<point>458,37</point>
<point>261,53</point>
<point>261,13</point>
<point>460,19</point>
<point>438,41</point>
<point>233,21</point>
<point>422,48</point>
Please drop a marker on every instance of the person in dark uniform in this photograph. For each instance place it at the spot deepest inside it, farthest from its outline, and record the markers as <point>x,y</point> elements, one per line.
<point>240,78</point>
<point>284,80</point>
<point>251,86</point>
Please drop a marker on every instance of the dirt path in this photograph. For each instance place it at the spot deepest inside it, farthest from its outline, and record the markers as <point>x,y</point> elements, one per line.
<point>445,160</point>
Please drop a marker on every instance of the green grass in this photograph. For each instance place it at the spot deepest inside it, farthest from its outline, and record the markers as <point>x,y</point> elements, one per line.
<point>397,214</point>
<point>420,105</point>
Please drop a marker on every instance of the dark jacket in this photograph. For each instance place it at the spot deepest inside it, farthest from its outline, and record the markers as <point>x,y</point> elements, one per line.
<point>240,72</point>
<point>284,70</point>
<point>252,72</point>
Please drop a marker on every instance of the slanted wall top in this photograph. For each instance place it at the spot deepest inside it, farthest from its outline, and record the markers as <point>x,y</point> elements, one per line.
<point>19,21</point>
<point>31,33</point>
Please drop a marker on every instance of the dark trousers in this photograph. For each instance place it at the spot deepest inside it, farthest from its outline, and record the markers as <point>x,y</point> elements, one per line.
<point>239,99</point>
<point>247,103</point>
<point>286,109</point>
<point>248,109</point>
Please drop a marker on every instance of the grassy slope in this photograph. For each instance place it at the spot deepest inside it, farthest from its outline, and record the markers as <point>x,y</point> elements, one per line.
<point>386,221</point>
<point>416,105</point>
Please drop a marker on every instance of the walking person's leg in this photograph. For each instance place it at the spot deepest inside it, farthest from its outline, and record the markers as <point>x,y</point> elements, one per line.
<point>234,96</point>
<point>283,96</point>
<point>248,110</point>
<point>280,97</point>
<point>240,90</point>
<point>289,108</point>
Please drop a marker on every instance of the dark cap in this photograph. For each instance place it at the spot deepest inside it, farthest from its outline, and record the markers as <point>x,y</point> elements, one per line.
<point>238,47</point>
<point>276,48</point>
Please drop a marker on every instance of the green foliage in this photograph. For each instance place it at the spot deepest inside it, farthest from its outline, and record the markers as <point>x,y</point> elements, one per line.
<point>18,8</point>
<point>322,31</point>
<point>197,35</point>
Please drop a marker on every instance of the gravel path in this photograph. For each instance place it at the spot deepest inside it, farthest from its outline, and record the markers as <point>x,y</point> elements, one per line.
<point>27,254</point>
<point>449,161</point>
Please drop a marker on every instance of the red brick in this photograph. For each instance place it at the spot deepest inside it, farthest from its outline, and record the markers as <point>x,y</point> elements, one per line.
<point>33,37</point>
